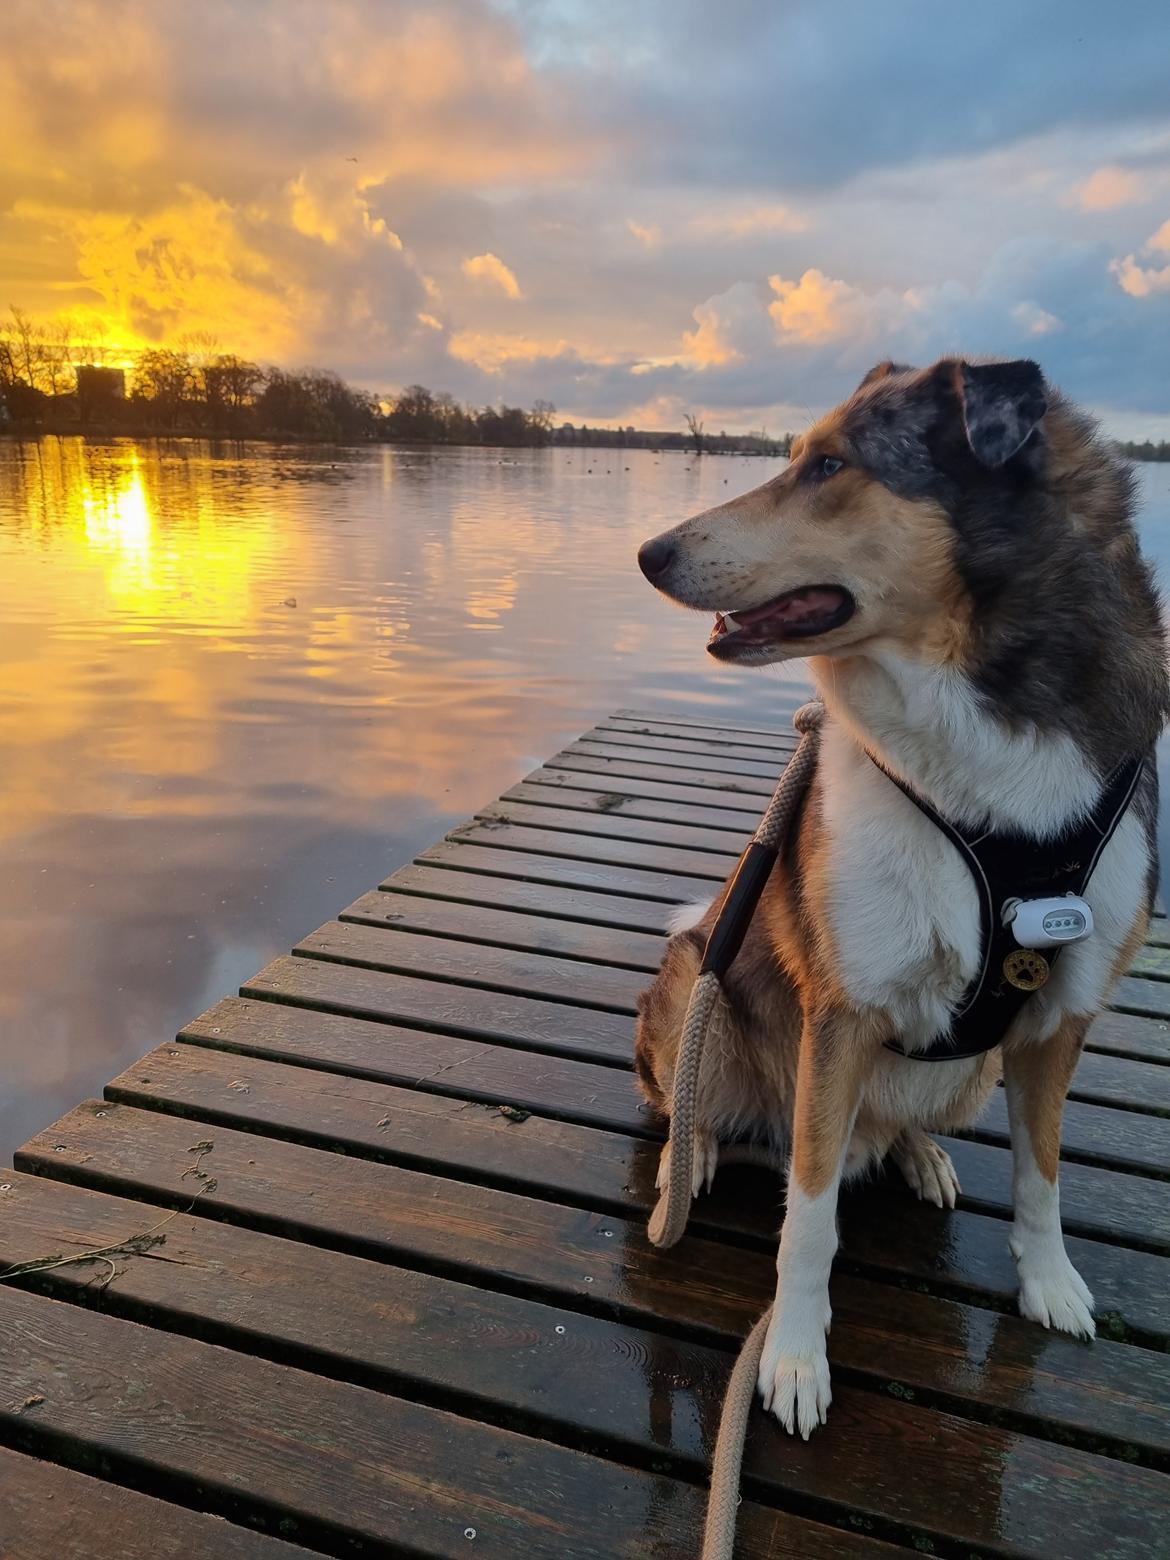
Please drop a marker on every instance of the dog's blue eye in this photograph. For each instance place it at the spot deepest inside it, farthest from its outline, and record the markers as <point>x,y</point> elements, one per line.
<point>829,466</point>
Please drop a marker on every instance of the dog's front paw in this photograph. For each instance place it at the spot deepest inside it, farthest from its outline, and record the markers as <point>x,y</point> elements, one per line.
<point>1052,1292</point>
<point>794,1369</point>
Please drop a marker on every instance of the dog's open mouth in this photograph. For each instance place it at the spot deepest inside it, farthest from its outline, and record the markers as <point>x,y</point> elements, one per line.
<point>798,614</point>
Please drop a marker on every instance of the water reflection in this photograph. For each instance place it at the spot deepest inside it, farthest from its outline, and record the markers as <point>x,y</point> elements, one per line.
<point>238,683</point>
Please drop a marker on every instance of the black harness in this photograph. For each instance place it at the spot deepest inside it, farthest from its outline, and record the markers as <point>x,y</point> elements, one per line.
<point>1003,866</point>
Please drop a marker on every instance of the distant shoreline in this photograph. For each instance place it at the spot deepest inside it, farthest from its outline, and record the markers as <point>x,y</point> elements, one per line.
<point>666,443</point>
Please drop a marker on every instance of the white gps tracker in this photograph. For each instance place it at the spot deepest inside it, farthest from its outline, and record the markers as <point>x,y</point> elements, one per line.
<point>1047,923</point>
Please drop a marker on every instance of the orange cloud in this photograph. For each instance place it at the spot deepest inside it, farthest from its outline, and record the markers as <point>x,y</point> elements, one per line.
<point>490,268</point>
<point>492,350</point>
<point>650,235</point>
<point>707,345</point>
<point>1138,280</point>
<point>1109,188</point>
<point>745,221</point>
<point>812,309</point>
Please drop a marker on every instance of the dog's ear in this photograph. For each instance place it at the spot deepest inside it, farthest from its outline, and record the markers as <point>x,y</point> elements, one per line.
<point>883,370</point>
<point>1002,403</point>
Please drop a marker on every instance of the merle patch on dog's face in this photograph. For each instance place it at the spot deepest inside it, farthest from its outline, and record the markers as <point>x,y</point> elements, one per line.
<point>914,430</point>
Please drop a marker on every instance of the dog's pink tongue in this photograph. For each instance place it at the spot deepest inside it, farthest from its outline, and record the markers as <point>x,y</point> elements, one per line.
<point>793,608</point>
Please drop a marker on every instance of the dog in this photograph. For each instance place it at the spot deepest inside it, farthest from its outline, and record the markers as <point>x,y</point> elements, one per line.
<point>952,549</point>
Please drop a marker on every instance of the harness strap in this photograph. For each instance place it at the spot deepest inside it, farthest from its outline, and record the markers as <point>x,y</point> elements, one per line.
<point>1004,865</point>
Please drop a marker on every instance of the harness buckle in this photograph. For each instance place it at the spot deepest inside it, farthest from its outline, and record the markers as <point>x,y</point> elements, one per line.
<point>1048,923</point>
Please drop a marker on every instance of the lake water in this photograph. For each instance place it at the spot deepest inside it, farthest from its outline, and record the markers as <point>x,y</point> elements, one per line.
<point>239,684</point>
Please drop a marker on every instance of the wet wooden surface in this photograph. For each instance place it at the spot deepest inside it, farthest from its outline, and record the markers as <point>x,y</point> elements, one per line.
<point>371,1272</point>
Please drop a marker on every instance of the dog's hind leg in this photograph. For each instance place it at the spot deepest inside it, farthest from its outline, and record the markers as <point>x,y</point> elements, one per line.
<point>704,1163</point>
<point>926,1167</point>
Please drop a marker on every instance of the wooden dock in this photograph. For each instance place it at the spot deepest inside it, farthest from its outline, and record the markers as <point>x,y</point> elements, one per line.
<point>371,1276</point>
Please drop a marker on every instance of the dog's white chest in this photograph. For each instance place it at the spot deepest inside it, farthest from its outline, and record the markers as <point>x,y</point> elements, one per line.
<point>905,914</point>
<point>902,906</point>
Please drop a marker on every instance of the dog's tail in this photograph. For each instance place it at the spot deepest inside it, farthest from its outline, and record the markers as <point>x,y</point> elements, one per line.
<point>684,918</point>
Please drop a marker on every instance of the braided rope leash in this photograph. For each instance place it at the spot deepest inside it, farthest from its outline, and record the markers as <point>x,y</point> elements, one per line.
<point>669,1218</point>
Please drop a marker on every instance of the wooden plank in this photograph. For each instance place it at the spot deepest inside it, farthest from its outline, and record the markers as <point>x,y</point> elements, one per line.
<point>718,754</point>
<point>1111,1080</point>
<point>1099,1203</point>
<point>440,1064</point>
<point>542,974</point>
<point>602,761</point>
<point>671,888</point>
<point>1097,1134</point>
<point>251,1290</point>
<point>701,806</point>
<point>554,1027</point>
<point>568,903</point>
<point>784,708</point>
<point>1121,1034</point>
<point>692,786</point>
<point>504,929</point>
<point>599,1169</point>
<point>733,829</point>
<point>612,823</point>
<point>717,1294</point>
<point>703,864</point>
<point>700,764</point>
<point>1152,961</point>
<point>53,1513</point>
<point>784,736</point>
<point>894,1236</point>
<point>1159,933</point>
<point>344,1465</point>
<point>1148,998</point>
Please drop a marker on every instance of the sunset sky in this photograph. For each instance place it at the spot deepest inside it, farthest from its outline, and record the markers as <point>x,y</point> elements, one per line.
<point>629,209</point>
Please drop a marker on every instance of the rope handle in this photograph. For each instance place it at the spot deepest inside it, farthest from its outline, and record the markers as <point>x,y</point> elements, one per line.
<point>669,1219</point>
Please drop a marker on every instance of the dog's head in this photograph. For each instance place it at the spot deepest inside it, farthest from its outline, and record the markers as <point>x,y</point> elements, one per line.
<point>855,542</point>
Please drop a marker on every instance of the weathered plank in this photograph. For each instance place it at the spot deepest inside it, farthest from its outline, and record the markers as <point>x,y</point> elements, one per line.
<point>671,888</point>
<point>732,830</point>
<point>1100,1203</point>
<point>782,705</point>
<point>698,806</point>
<point>708,865</point>
<point>245,1281</point>
<point>718,753</point>
<point>588,1376</point>
<point>436,1222</point>
<point>623,912</point>
<point>741,769</point>
<point>717,790</point>
<point>555,1027</point>
<point>668,730</point>
<point>412,1058</point>
<point>1111,1080</point>
<point>573,1090</point>
<point>610,823</point>
<point>594,1168</point>
<point>1121,1034</point>
<point>533,933</point>
<point>53,1513</point>
<point>410,1478</point>
<point>1098,1134</point>
<point>558,1370</point>
<point>543,974</point>
<point>1148,998</point>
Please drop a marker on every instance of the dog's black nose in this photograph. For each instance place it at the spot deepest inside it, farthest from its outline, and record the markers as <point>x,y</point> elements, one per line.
<point>655,557</point>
